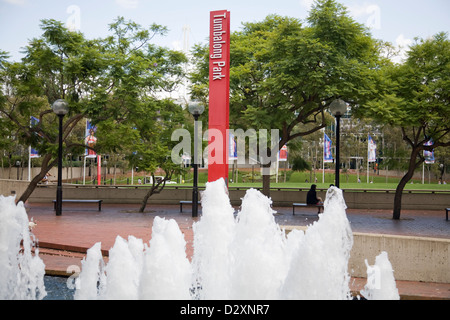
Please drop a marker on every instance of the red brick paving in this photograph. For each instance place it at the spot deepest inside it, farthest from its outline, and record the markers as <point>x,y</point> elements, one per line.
<point>63,240</point>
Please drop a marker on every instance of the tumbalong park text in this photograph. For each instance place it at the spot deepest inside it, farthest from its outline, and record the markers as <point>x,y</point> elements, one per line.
<point>219,36</point>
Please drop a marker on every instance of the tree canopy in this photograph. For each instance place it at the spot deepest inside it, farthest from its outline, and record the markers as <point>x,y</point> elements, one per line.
<point>115,82</point>
<point>415,96</point>
<point>285,73</point>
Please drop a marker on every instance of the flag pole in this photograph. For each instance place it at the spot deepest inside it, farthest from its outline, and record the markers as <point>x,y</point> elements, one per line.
<point>29,163</point>
<point>323,157</point>
<point>368,156</point>
<point>367,168</point>
<point>84,170</point>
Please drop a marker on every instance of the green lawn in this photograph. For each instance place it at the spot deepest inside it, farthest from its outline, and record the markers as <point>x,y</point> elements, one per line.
<point>302,180</point>
<point>298,180</point>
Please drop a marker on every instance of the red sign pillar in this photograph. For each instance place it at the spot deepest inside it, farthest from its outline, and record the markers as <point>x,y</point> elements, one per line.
<point>219,94</point>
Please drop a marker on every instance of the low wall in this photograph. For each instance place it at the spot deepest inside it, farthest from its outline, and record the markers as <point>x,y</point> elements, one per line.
<point>369,199</point>
<point>12,187</point>
<point>74,173</point>
<point>412,258</point>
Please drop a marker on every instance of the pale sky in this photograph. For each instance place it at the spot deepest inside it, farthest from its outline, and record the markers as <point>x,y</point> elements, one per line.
<point>396,21</point>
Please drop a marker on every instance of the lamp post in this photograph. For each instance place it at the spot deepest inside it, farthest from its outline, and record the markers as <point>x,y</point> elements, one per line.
<point>18,167</point>
<point>105,163</point>
<point>196,109</point>
<point>338,108</point>
<point>60,107</point>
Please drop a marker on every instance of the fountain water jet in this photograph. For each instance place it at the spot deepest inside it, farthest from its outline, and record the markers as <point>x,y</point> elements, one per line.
<point>380,280</point>
<point>244,257</point>
<point>21,272</point>
<point>247,257</point>
<point>319,264</point>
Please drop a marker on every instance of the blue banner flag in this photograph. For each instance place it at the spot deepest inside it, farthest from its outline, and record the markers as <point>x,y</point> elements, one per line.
<point>371,150</point>
<point>33,152</point>
<point>232,151</point>
<point>428,155</point>
<point>90,139</point>
<point>327,156</point>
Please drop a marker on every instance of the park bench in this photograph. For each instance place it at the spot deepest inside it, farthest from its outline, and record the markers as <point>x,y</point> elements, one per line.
<point>185,202</point>
<point>296,204</point>
<point>81,201</point>
<point>446,213</point>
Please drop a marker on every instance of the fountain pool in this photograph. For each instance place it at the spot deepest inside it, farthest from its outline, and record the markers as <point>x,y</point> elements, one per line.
<point>243,256</point>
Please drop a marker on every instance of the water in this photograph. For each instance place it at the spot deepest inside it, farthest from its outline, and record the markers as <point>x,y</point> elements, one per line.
<point>247,257</point>
<point>380,280</point>
<point>244,257</point>
<point>21,272</point>
<point>57,288</point>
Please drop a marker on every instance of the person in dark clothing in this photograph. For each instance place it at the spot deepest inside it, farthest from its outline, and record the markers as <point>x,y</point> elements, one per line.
<point>312,198</point>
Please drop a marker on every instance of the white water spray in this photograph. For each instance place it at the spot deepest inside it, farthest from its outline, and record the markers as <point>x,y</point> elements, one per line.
<point>242,257</point>
<point>380,280</point>
<point>319,264</point>
<point>247,257</point>
<point>21,273</point>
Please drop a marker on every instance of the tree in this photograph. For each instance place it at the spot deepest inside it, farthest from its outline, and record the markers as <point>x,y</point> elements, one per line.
<point>416,98</point>
<point>142,119</point>
<point>153,149</point>
<point>22,99</point>
<point>104,80</point>
<point>285,75</point>
<point>7,130</point>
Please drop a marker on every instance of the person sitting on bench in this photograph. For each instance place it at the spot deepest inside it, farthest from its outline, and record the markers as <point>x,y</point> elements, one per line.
<point>312,198</point>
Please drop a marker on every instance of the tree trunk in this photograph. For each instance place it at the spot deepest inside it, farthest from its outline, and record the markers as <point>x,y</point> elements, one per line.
<point>34,182</point>
<point>146,197</point>
<point>156,188</point>
<point>398,197</point>
<point>401,185</point>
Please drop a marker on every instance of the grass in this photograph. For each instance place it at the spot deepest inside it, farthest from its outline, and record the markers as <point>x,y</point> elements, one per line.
<point>302,180</point>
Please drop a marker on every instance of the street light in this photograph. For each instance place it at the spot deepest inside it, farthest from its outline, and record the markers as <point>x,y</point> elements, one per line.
<point>196,109</point>
<point>338,108</point>
<point>60,107</point>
